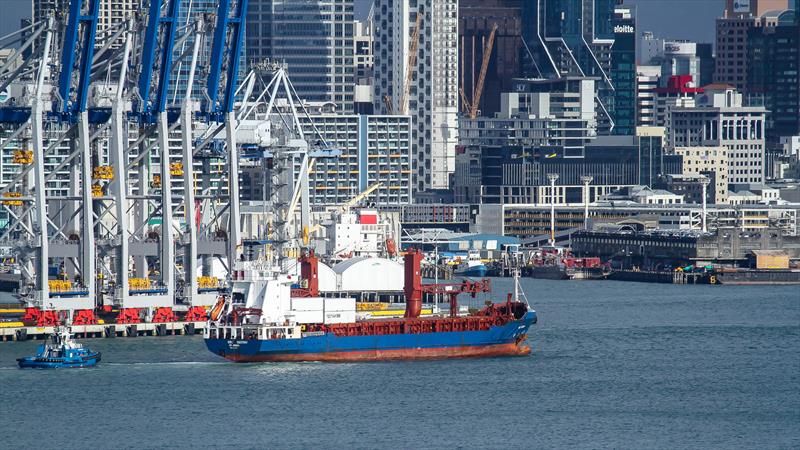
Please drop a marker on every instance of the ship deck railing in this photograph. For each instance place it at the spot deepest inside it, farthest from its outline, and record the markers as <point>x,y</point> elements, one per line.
<point>252,331</point>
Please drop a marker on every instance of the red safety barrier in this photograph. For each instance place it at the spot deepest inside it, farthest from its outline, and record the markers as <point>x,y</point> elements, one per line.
<point>31,314</point>
<point>129,315</point>
<point>196,314</point>
<point>48,319</point>
<point>164,314</point>
<point>84,317</point>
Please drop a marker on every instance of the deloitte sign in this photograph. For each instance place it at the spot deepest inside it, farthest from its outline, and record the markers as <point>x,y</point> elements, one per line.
<point>623,29</point>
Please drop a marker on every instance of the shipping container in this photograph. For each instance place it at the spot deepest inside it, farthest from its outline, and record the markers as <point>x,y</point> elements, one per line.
<point>340,316</point>
<point>305,316</point>
<point>308,303</point>
<point>340,304</point>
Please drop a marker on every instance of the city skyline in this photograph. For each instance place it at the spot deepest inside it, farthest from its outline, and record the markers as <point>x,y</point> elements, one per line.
<point>665,18</point>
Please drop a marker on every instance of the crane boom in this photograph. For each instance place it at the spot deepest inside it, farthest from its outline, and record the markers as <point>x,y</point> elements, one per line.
<point>464,101</point>
<point>412,61</point>
<point>76,57</point>
<point>387,102</point>
<point>487,53</point>
<point>364,194</point>
<point>154,79</point>
<point>226,49</point>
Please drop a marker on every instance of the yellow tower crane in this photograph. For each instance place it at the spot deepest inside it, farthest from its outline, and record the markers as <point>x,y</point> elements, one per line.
<point>412,61</point>
<point>472,107</point>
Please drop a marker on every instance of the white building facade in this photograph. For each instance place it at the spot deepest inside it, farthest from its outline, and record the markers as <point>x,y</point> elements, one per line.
<point>375,148</point>
<point>646,97</point>
<point>719,118</point>
<point>433,91</point>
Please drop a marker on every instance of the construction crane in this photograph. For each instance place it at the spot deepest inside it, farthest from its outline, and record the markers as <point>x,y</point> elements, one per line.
<point>364,194</point>
<point>344,208</point>
<point>387,101</point>
<point>472,107</point>
<point>412,61</point>
<point>464,100</point>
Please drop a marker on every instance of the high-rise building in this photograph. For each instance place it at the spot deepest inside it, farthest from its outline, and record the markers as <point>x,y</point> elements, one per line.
<point>622,104</point>
<point>732,28</point>
<point>364,67</point>
<point>680,58</point>
<point>646,84</point>
<point>258,32</point>
<point>110,13</point>
<point>650,141</point>
<point>753,7</point>
<point>573,38</point>
<point>373,149</point>
<point>731,60</point>
<point>705,52</point>
<point>314,38</point>
<point>650,48</point>
<point>567,101</point>
<point>476,19</point>
<point>362,52</point>
<point>719,117</point>
<point>540,114</point>
<point>433,88</point>
<point>773,55</point>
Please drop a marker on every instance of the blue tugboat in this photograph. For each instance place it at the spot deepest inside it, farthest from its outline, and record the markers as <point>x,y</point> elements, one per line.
<point>62,352</point>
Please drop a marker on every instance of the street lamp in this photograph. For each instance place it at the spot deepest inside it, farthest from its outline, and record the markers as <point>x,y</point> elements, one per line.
<point>586,180</point>
<point>552,177</point>
<point>704,182</point>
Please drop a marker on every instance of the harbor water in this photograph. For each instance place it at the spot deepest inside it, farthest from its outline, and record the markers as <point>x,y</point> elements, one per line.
<point>614,365</point>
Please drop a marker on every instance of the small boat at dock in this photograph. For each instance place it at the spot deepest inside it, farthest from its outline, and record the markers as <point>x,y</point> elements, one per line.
<point>61,352</point>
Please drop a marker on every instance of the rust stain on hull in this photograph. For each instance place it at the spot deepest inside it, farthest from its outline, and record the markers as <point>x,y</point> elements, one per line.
<point>510,349</point>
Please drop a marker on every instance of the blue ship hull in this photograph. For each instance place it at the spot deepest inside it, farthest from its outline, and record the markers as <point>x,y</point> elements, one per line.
<point>503,340</point>
<point>36,362</point>
<point>474,271</point>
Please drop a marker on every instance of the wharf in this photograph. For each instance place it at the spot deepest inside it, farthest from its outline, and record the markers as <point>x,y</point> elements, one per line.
<point>663,277</point>
<point>769,276</point>
<point>23,333</point>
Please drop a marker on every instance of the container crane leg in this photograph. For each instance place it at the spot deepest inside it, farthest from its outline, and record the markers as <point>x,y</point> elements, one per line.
<point>88,255</point>
<point>190,238</point>
<point>118,186</point>
<point>43,252</point>
<point>234,233</point>
<point>167,238</point>
<point>140,206</point>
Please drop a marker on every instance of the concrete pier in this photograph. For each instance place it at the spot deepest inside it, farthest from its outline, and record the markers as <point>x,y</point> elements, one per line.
<point>106,331</point>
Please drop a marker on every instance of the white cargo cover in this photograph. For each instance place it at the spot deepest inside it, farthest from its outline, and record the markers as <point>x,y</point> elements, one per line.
<point>370,274</point>
<point>326,278</point>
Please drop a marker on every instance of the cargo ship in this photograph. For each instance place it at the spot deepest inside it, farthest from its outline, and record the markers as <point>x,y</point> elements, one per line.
<point>264,319</point>
<point>557,263</point>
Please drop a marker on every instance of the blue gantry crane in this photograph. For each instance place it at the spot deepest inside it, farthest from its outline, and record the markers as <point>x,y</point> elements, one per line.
<point>110,214</point>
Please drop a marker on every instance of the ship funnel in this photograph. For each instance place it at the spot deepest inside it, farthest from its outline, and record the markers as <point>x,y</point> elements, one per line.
<point>413,283</point>
<point>309,271</point>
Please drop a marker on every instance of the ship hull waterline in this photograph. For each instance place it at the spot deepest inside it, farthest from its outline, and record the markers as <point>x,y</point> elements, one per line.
<point>506,340</point>
<point>58,363</point>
